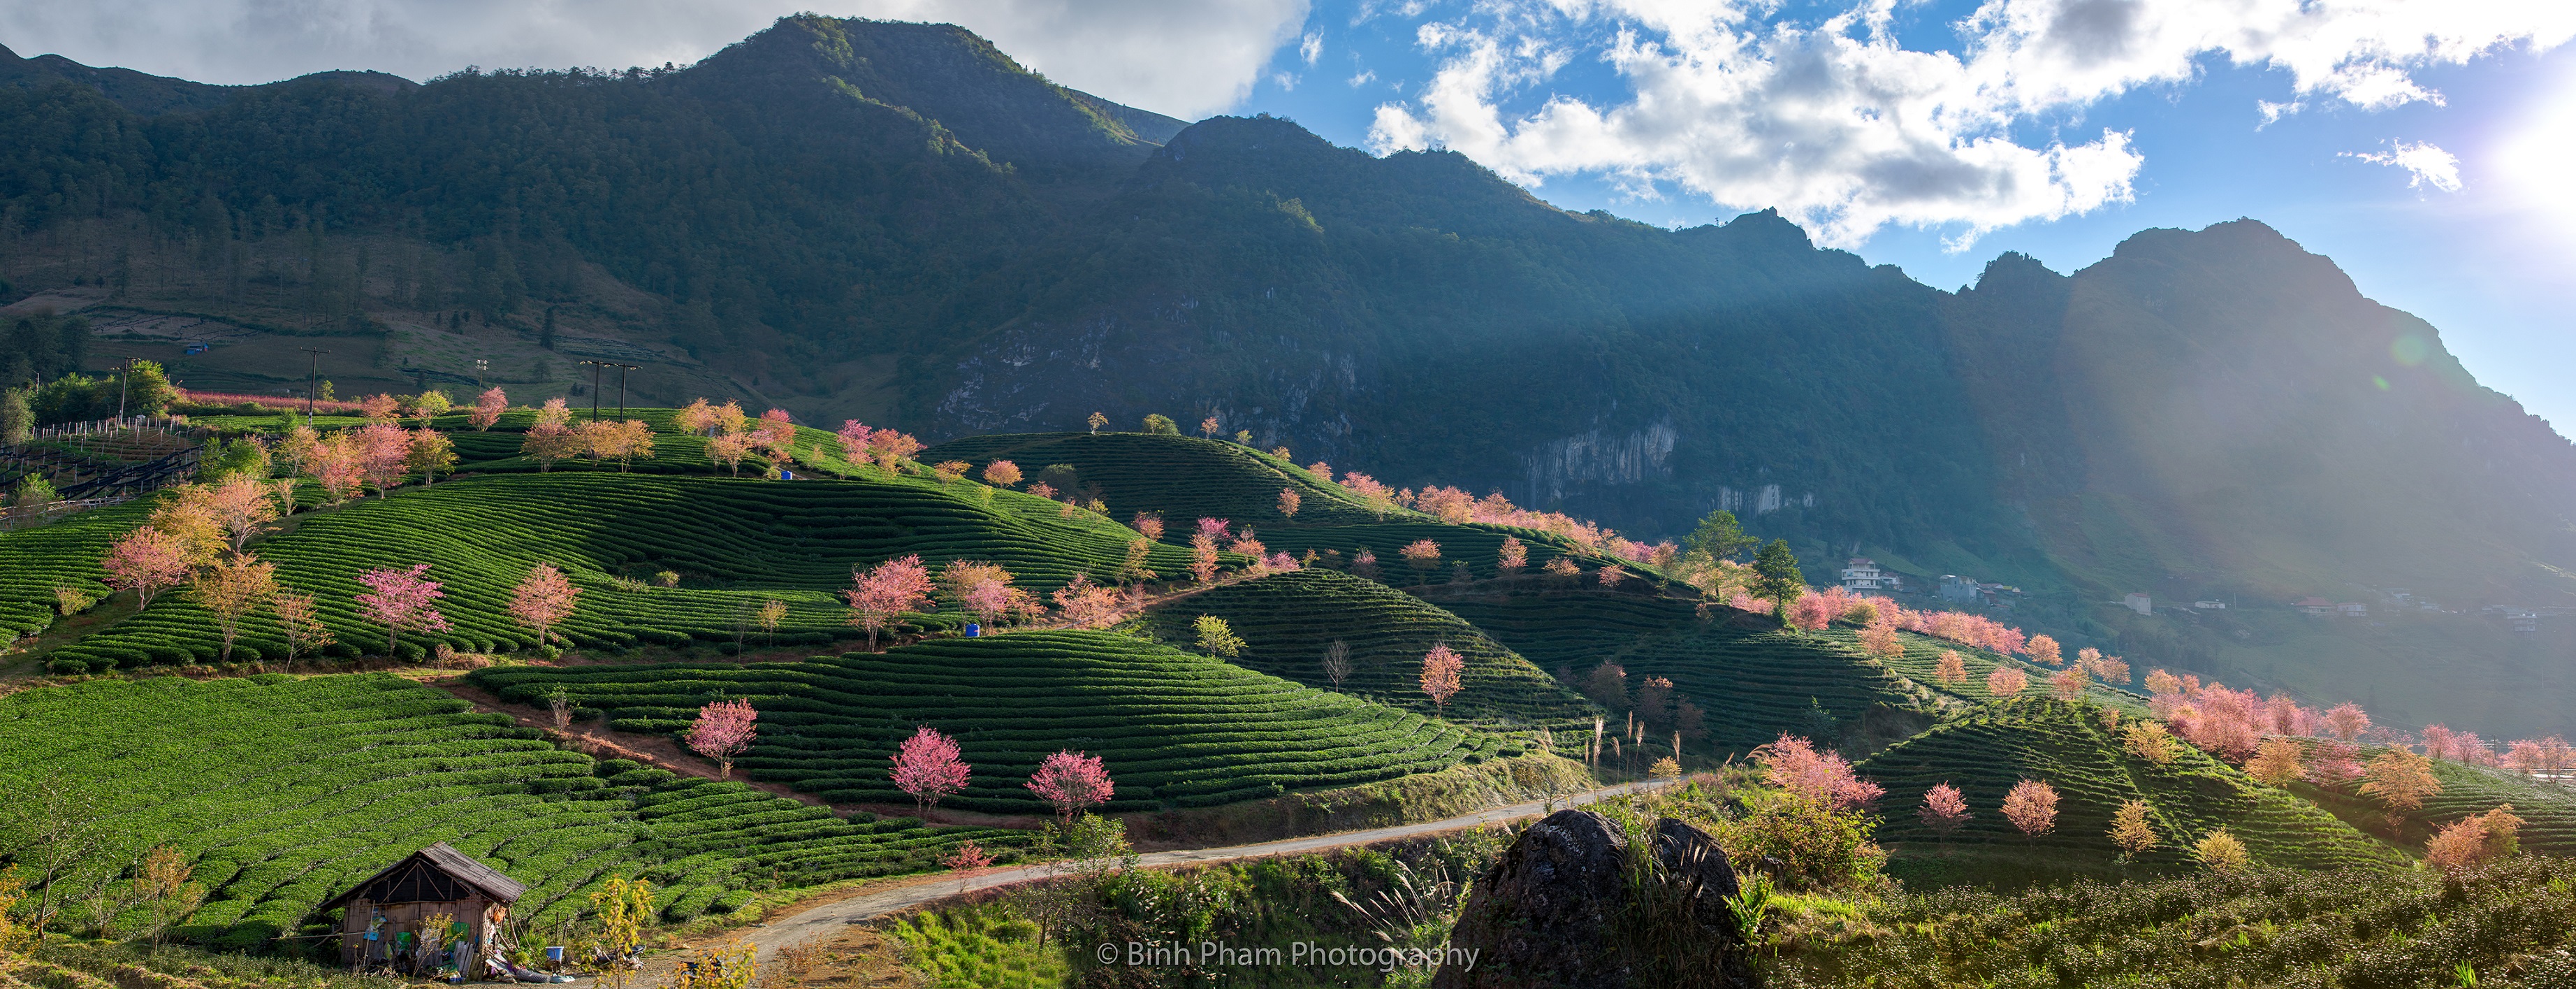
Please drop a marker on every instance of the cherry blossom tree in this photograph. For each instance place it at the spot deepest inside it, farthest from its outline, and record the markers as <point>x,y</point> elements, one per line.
<point>2161,683</point>
<point>1813,775</point>
<point>2043,649</point>
<point>722,731</point>
<point>147,561</point>
<point>2474,840</point>
<point>552,437</point>
<point>1149,525</point>
<point>730,449</point>
<point>927,767</point>
<point>1421,555</point>
<point>853,438</point>
<point>300,618</point>
<point>1879,640</point>
<point>1612,574</point>
<point>1085,604</point>
<point>489,406</point>
<point>1322,471</point>
<point>1952,670</point>
<point>1043,490</point>
<point>1208,427</point>
<point>948,471</point>
<point>1944,810</point>
<point>776,433</point>
<point>696,418</point>
<point>1073,782</point>
<point>399,598</point>
<point>384,450</point>
<point>1203,557</point>
<point>892,448</point>
<point>231,590</point>
<point>2031,807</point>
<point>297,447</point>
<point>983,588</point>
<point>1364,563</point>
<point>2006,681</point>
<point>542,600</point>
<point>889,589</point>
<point>2348,722</point>
<point>379,407</point>
<point>1513,557</point>
<point>2068,684</point>
<point>1440,669</point>
<point>1096,421</point>
<point>1002,474</point>
<point>241,504</point>
<point>1289,499</point>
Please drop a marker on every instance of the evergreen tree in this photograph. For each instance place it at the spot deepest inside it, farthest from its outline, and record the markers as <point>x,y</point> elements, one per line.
<point>1720,536</point>
<point>1776,577</point>
<point>546,334</point>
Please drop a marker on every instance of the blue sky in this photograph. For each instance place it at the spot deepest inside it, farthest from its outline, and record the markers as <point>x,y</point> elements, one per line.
<point>2491,262</point>
<point>1929,135</point>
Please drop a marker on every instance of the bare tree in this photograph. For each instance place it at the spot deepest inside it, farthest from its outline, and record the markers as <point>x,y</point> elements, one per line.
<point>1337,663</point>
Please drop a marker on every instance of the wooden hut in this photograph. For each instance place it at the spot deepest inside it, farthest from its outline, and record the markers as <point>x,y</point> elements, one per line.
<point>435,880</point>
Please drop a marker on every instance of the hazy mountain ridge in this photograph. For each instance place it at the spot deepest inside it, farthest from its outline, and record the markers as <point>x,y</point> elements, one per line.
<point>899,223</point>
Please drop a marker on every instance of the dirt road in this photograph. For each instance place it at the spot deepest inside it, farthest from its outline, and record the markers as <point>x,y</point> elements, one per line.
<point>823,921</point>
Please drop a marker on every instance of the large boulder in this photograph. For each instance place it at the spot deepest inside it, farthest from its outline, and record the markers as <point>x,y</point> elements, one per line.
<point>1559,909</point>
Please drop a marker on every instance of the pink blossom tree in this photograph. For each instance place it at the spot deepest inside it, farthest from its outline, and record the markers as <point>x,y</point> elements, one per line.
<point>1085,604</point>
<point>1149,525</point>
<point>488,408</point>
<point>1072,781</point>
<point>1944,810</point>
<point>2031,807</point>
<point>696,418</point>
<point>853,438</point>
<point>1440,675</point>
<point>927,766</point>
<point>2006,681</point>
<point>1818,777</point>
<point>893,587</point>
<point>1513,556</point>
<point>1289,499</point>
<point>982,588</point>
<point>2345,721</point>
<point>1002,474</point>
<point>399,598</point>
<point>147,561</point>
<point>543,599</point>
<point>384,451</point>
<point>723,730</point>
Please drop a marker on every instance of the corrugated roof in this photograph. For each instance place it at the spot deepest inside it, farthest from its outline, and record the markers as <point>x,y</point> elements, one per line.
<point>455,864</point>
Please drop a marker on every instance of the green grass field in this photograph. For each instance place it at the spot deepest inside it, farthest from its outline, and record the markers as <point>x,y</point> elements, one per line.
<point>1176,729</point>
<point>283,790</point>
<point>735,543</point>
<point>1288,620</point>
<point>2066,746</point>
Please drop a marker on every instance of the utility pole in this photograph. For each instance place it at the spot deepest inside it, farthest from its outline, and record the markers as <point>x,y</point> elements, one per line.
<point>621,388</point>
<point>480,367</point>
<point>312,383</point>
<point>124,372</point>
<point>595,367</point>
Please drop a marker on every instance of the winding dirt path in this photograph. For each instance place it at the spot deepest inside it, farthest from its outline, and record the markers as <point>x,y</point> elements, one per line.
<point>822,922</point>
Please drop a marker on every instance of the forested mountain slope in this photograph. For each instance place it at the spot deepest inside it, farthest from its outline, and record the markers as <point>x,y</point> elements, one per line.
<point>898,223</point>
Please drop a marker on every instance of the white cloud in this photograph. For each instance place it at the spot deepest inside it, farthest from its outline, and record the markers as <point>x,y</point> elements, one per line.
<point>1186,58</point>
<point>2424,164</point>
<point>1312,47</point>
<point>1365,77</point>
<point>1836,123</point>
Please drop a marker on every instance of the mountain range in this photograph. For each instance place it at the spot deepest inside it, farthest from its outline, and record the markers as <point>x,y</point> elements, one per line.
<point>899,223</point>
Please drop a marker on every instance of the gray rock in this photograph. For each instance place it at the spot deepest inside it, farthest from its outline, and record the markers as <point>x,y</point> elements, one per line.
<point>1557,911</point>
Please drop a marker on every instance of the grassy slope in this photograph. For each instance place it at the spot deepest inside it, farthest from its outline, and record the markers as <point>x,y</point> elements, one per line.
<point>1176,729</point>
<point>284,790</point>
<point>736,543</point>
<point>1288,620</point>
<point>2066,746</point>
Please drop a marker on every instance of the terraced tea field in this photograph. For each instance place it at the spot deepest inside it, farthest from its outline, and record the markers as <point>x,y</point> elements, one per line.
<point>736,543</point>
<point>2066,746</point>
<point>1753,684</point>
<point>2547,807</point>
<point>283,790</point>
<point>1176,729</point>
<point>64,554</point>
<point>1288,620</point>
<point>1184,477</point>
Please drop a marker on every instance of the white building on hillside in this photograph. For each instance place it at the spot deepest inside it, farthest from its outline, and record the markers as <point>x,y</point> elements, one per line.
<point>1863,576</point>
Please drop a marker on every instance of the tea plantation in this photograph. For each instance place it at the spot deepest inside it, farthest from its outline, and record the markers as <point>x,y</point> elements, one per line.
<point>2547,807</point>
<point>2066,746</point>
<point>736,543</point>
<point>1288,621</point>
<point>1176,729</point>
<point>283,790</point>
<point>1183,477</point>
